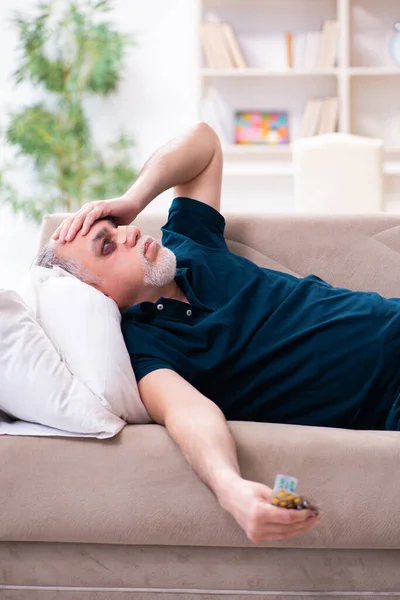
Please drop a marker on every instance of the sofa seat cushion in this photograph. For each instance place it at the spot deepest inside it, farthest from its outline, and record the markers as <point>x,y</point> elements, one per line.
<point>138,488</point>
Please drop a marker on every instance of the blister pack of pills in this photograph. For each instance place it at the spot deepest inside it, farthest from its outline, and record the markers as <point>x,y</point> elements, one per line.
<point>285,495</point>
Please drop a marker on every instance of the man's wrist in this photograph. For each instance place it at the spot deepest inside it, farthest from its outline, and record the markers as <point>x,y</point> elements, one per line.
<point>139,195</point>
<point>226,481</point>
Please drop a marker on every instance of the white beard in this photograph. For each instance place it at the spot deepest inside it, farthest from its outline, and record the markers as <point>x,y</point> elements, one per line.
<point>162,270</point>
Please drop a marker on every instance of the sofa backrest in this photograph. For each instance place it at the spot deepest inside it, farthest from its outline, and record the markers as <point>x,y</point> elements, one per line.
<point>360,252</point>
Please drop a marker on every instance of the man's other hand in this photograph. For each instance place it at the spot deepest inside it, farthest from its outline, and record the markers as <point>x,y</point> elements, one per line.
<point>249,503</point>
<point>122,210</point>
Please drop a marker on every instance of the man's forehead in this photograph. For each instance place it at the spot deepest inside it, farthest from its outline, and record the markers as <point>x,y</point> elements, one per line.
<point>97,226</point>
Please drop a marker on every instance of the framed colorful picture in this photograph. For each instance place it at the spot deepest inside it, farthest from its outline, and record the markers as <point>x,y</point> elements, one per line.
<point>258,127</point>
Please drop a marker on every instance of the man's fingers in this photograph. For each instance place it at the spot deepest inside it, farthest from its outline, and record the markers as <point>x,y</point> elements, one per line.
<point>273,532</point>
<point>82,220</point>
<point>56,234</point>
<point>74,227</point>
<point>274,537</point>
<point>63,230</point>
<point>285,516</point>
<point>91,217</point>
<point>64,227</point>
<point>77,224</point>
<point>294,529</point>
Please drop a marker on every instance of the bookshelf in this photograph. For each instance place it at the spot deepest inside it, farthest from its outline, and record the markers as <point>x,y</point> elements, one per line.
<point>365,79</point>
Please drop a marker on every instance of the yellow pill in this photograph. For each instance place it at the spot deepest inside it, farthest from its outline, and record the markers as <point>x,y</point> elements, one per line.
<point>283,504</point>
<point>289,497</point>
<point>297,500</point>
<point>275,501</point>
<point>282,494</point>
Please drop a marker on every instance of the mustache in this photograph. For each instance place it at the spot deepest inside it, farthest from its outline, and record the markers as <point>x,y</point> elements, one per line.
<point>142,241</point>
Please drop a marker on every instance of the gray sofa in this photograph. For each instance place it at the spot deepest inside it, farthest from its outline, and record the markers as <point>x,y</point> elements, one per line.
<point>128,517</point>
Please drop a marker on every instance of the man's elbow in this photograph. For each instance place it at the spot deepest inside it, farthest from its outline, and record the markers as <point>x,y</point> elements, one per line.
<point>206,132</point>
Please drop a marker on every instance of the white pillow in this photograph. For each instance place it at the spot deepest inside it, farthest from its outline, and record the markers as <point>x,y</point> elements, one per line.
<point>85,328</point>
<point>36,386</point>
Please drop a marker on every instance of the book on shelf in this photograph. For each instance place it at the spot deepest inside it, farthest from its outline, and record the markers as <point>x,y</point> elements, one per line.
<point>299,47</point>
<point>233,45</point>
<point>310,120</point>
<point>208,47</point>
<point>290,50</point>
<point>308,51</point>
<point>317,49</point>
<point>221,46</point>
<point>320,117</point>
<point>216,40</point>
<point>329,45</point>
<point>329,116</point>
<point>312,48</point>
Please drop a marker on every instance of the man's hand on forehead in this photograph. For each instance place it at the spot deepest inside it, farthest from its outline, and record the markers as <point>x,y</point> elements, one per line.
<point>123,213</point>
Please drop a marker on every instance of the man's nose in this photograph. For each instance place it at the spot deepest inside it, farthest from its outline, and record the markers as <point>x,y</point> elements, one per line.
<point>128,234</point>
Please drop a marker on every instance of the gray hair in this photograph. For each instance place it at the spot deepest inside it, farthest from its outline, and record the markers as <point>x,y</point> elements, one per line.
<point>48,258</point>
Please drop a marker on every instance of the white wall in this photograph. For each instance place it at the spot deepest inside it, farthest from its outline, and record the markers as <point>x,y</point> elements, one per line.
<point>157,100</point>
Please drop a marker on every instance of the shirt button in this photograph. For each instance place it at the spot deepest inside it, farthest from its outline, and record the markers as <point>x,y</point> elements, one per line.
<point>189,313</point>
<point>160,306</point>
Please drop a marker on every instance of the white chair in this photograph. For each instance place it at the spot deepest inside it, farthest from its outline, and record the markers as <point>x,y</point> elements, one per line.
<point>338,173</point>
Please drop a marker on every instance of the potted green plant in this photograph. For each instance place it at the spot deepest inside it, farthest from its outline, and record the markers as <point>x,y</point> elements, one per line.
<point>70,52</point>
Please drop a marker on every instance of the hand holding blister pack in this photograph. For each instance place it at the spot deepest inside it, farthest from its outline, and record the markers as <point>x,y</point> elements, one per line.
<point>285,495</point>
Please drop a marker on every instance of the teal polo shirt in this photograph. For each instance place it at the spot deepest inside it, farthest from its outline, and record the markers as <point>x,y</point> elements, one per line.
<point>264,345</point>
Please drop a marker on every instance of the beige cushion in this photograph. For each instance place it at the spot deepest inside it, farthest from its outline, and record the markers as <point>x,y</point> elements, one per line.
<point>338,173</point>
<point>139,489</point>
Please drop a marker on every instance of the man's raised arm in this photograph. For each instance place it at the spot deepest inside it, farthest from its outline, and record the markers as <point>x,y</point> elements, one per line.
<point>199,428</point>
<point>191,164</point>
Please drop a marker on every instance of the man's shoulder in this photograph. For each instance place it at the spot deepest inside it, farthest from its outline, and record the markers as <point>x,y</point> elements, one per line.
<point>190,220</point>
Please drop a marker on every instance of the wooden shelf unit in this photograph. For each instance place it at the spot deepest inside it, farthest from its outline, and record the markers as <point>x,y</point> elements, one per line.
<point>366,79</point>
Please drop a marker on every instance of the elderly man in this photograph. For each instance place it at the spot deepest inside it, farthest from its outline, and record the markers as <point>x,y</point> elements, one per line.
<point>212,336</point>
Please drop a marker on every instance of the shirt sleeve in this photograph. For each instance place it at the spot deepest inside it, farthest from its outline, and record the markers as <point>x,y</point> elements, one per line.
<point>194,220</point>
<point>146,352</point>
<point>142,366</point>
